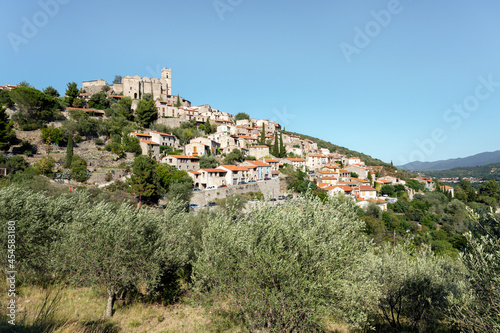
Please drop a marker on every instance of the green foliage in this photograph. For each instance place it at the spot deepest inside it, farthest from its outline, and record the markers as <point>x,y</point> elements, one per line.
<point>276,151</point>
<point>387,190</point>
<point>480,311</point>
<point>178,103</point>
<point>5,99</point>
<point>208,162</point>
<point>69,153</point>
<point>35,108</point>
<point>51,91</point>
<point>126,107</point>
<point>79,170</point>
<point>146,112</point>
<point>116,149</point>
<point>490,188</point>
<point>99,101</point>
<point>282,146</point>
<point>71,92</point>
<point>117,79</point>
<point>208,128</point>
<point>262,140</point>
<point>51,135</point>
<point>144,180</point>
<point>82,123</point>
<point>233,157</point>
<point>415,286</point>
<point>241,116</point>
<point>45,166</point>
<point>7,134</point>
<point>131,144</point>
<point>288,269</point>
<point>354,174</point>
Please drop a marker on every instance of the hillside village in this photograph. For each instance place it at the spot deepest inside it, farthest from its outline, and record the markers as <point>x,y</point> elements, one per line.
<point>267,149</point>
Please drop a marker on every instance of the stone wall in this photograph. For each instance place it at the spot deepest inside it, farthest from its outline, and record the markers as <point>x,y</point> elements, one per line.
<point>270,189</point>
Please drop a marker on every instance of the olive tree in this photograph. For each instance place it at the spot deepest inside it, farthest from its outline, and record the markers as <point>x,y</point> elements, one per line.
<point>288,268</point>
<point>416,287</point>
<point>112,248</point>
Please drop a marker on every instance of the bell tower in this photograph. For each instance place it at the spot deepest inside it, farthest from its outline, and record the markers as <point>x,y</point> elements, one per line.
<point>166,76</point>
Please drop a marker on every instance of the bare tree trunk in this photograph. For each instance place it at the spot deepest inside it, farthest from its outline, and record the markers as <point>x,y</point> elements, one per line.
<point>111,302</point>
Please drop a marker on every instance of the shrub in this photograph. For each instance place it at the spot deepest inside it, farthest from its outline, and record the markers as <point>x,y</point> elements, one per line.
<point>287,269</point>
<point>415,287</point>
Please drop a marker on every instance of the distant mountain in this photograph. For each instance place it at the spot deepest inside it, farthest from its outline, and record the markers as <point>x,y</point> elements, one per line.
<point>470,161</point>
<point>486,172</point>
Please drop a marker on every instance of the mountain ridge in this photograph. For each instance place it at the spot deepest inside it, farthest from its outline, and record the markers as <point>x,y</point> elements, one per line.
<point>476,160</point>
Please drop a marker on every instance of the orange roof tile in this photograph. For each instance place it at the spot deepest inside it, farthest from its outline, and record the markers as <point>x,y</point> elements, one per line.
<point>259,163</point>
<point>150,142</point>
<point>235,168</point>
<point>141,134</point>
<point>186,157</point>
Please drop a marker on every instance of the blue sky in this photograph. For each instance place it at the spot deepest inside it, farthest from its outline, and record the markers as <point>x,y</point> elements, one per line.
<point>399,80</point>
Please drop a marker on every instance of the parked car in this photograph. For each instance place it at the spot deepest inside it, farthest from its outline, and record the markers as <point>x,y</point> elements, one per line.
<point>196,189</point>
<point>281,197</point>
<point>242,183</point>
<point>252,181</point>
<point>222,186</point>
<point>212,204</point>
<point>267,178</point>
<point>272,199</point>
<point>193,206</point>
<point>311,172</point>
<point>211,187</point>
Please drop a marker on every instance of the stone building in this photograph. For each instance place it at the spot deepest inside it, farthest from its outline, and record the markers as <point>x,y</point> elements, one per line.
<point>136,86</point>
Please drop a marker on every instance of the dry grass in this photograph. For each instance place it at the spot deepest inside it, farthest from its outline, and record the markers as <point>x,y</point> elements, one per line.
<point>82,310</point>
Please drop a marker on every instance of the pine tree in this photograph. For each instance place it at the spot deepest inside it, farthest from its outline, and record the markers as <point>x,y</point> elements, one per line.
<point>276,151</point>
<point>263,135</point>
<point>282,151</point>
<point>69,152</point>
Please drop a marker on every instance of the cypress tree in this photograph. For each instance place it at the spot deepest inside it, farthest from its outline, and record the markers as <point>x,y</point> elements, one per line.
<point>69,152</point>
<point>6,132</point>
<point>282,151</point>
<point>276,151</point>
<point>263,135</point>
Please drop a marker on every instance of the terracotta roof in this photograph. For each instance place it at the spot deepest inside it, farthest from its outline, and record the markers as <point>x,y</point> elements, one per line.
<point>150,142</point>
<point>366,188</point>
<point>268,160</point>
<point>141,134</point>
<point>194,172</point>
<point>259,163</point>
<point>295,159</point>
<point>316,155</point>
<point>184,156</point>
<point>259,146</point>
<point>235,168</point>
<point>329,178</point>
<point>214,170</point>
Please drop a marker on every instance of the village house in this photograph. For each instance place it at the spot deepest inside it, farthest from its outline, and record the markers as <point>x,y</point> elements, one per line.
<point>235,174</point>
<point>449,189</point>
<point>164,139</point>
<point>365,192</point>
<point>204,178</point>
<point>259,151</point>
<point>182,162</point>
<point>275,164</point>
<point>351,160</point>
<point>360,170</point>
<point>150,148</point>
<point>296,163</point>
<point>429,184</point>
<point>338,189</point>
<point>316,161</point>
<point>262,170</point>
